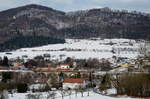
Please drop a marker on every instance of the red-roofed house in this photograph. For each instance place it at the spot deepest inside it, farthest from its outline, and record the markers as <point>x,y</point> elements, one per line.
<point>44,69</point>
<point>64,69</point>
<point>74,83</point>
<point>63,66</point>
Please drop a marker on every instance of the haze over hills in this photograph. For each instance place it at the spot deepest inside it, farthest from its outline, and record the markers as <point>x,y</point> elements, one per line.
<point>37,20</point>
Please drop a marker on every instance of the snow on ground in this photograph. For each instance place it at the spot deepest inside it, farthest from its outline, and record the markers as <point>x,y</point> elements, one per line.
<point>111,91</point>
<point>95,96</point>
<point>92,95</point>
<point>81,49</point>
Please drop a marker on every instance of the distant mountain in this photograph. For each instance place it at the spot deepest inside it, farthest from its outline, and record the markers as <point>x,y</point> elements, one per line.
<point>37,20</point>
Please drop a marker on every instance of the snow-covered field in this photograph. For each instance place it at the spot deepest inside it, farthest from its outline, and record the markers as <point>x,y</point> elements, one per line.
<point>92,95</point>
<point>81,49</point>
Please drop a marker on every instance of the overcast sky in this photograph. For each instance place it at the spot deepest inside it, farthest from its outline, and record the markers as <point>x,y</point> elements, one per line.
<point>73,5</point>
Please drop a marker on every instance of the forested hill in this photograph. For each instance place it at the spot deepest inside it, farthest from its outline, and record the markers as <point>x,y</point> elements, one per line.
<point>108,23</point>
<point>37,20</point>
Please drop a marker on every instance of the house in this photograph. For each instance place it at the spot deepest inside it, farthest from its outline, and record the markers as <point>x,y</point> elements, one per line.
<point>64,66</point>
<point>44,69</point>
<point>18,66</point>
<point>64,69</point>
<point>4,68</point>
<point>74,83</point>
<point>126,65</point>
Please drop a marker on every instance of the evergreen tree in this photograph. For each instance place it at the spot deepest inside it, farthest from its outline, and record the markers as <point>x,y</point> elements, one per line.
<point>5,61</point>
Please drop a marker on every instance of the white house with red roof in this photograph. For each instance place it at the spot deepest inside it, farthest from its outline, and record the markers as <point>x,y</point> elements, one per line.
<point>74,83</point>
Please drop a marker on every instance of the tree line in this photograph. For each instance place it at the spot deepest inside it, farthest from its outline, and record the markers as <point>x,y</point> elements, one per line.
<point>28,41</point>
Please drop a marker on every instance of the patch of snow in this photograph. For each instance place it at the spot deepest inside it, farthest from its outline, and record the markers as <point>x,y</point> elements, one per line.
<point>111,91</point>
<point>36,86</point>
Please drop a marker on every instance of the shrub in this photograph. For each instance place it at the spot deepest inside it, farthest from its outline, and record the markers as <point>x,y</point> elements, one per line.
<point>3,86</point>
<point>7,86</point>
<point>22,87</point>
<point>6,76</point>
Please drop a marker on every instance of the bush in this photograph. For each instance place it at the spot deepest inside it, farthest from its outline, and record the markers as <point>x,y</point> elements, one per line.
<point>22,87</point>
<point>3,86</point>
<point>7,86</point>
<point>6,76</point>
<point>133,85</point>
